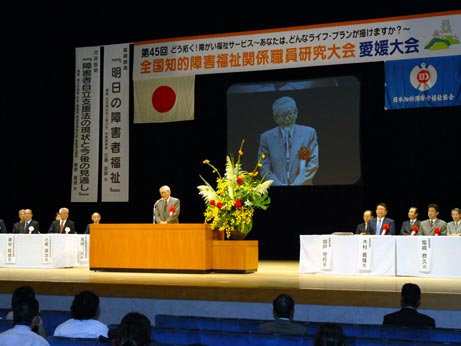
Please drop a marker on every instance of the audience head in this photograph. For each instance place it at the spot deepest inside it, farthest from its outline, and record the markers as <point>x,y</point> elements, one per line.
<point>134,330</point>
<point>329,334</point>
<point>26,312</point>
<point>411,295</point>
<point>21,293</point>
<point>85,306</point>
<point>283,306</point>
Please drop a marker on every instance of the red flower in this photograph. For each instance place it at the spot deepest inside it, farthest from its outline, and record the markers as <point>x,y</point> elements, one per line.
<point>172,209</point>
<point>219,205</point>
<point>239,180</point>
<point>212,202</point>
<point>415,228</point>
<point>436,231</point>
<point>385,229</point>
<point>238,203</point>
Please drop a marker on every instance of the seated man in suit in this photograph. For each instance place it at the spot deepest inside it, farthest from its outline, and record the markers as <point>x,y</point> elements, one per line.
<point>433,225</point>
<point>381,224</point>
<point>362,227</point>
<point>412,225</point>
<point>408,316</point>
<point>17,225</point>
<point>64,225</point>
<point>283,311</point>
<point>28,225</point>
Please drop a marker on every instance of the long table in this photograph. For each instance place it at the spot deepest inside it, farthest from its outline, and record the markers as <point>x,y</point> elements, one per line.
<point>428,256</point>
<point>425,256</point>
<point>347,255</point>
<point>44,250</point>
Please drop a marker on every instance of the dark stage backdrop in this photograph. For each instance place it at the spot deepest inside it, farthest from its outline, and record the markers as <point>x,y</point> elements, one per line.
<point>406,157</point>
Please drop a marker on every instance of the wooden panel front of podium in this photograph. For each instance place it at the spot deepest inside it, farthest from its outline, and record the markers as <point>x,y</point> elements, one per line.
<point>151,247</point>
<point>239,256</point>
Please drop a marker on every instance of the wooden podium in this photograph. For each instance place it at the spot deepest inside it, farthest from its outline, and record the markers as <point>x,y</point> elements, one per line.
<point>168,248</point>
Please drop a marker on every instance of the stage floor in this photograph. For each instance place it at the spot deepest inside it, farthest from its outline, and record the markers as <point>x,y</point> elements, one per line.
<point>272,278</point>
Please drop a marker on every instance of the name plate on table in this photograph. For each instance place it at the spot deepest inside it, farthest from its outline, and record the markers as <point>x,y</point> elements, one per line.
<point>365,253</point>
<point>326,252</point>
<point>425,254</point>
<point>83,248</point>
<point>47,256</point>
<point>10,250</point>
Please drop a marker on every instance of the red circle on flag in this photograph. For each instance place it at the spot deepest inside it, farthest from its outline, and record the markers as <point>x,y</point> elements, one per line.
<point>163,99</point>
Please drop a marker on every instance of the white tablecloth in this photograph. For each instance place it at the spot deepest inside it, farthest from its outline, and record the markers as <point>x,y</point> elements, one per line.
<point>44,250</point>
<point>429,256</point>
<point>348,255</point>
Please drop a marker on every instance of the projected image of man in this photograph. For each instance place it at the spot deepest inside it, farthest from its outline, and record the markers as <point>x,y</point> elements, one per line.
<point>290,150</point>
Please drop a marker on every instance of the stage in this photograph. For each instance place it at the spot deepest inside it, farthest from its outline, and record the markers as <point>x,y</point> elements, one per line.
<point>271,278</point>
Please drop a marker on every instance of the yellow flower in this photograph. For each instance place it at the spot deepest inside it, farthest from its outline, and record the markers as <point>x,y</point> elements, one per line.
<point>230,206</point>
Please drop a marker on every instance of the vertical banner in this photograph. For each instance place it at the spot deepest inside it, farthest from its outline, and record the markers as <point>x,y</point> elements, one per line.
<point>115,151</point>
<point>86,125</point>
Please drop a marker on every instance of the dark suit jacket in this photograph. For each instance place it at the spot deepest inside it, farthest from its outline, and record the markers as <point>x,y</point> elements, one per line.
<point>283,327</point>
<point>408,317</point>
<point>32,223</point>
<point>360,228</point>
<point>54,228</point>
<point>3,227</point>
<point>371,228</point>
<point>407,229</point>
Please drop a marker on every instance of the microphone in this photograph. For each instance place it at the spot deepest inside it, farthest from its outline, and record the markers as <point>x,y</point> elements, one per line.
<point>436,231</point>
<point>155,206</point>
<point>385,229</point>
<point>414,230</point>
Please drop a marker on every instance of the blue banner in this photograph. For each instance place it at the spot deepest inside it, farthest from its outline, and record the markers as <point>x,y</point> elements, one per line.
<point>426,82</point>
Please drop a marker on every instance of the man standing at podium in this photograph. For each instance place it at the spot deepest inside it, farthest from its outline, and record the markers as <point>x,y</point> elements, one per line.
<point>166,209</point>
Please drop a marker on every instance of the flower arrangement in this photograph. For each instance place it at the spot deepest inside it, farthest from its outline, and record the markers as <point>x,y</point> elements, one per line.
<point>230,206</point>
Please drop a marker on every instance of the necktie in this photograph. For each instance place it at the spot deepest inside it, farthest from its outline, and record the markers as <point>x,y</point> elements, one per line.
<point>287,153</point>
<point>412,223</point>
<point>378,227</point>
<point>60,226</point>
<point>26,226</point>
<point>432,223</point>
<point>165,204</point>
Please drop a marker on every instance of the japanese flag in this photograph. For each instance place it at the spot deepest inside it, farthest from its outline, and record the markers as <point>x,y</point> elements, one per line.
<point>161,100</point>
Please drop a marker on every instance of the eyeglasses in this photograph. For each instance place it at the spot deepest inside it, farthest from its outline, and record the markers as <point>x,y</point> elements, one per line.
<point>288,113</point>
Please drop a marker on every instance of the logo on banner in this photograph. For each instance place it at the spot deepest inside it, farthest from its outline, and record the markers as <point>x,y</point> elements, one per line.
<point>428,82</point>
<point>422,78</point>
